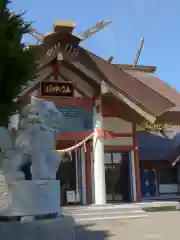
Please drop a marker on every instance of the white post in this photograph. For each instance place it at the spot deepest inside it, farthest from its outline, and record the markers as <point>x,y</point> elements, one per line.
<point>99,169</point>
<point>77,177</point>
<point>92,177</point>
<point>83,174</point>
<point>133,175</point>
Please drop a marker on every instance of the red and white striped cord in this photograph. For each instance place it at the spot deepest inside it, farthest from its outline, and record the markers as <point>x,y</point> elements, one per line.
<point>97,133</point>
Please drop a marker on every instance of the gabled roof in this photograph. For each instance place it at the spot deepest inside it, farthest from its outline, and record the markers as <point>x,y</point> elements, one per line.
<point>174,152</point>
<point>156,146</point>
<point>171,116</point>
<point>144,93</point>
<point>142,88</point>
<point>152,146</point>
<point>173,155</point>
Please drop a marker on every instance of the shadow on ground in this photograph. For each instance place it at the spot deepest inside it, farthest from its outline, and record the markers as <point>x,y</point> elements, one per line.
<point>87,232</point>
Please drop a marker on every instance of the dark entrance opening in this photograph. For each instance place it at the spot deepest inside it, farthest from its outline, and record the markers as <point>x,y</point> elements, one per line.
<point>117,175</point>
<point>67,175</point>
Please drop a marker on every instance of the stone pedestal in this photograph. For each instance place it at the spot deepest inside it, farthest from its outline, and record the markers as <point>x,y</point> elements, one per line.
<point>55,229</point>
<point>30,198</point>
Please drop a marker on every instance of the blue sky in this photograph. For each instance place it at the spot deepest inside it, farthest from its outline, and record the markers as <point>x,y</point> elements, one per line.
<point>158,21</point>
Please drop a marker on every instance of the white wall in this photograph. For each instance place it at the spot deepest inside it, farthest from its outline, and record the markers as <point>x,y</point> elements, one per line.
<point>168,188</point>
<point>119,141</point>
<point>118,125</point>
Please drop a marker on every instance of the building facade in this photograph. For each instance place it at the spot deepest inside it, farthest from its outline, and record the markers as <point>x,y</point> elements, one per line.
<point>104,102</point>
<point>105,167</point>
<point>159,164</point>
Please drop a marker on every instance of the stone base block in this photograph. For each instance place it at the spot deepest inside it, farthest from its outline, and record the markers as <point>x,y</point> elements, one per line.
<point>30,198</point>
<point>61,228</point>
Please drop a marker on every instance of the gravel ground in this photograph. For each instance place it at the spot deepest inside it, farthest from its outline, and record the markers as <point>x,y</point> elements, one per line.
<point>161,226</point>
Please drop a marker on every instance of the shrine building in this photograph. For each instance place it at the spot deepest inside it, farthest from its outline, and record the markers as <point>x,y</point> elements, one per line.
<point>102,103</point>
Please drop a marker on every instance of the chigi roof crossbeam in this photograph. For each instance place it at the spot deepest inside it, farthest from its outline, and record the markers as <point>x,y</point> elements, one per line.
<point>69,26</point>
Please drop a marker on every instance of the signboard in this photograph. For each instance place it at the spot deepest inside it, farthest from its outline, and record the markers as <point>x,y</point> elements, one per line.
<point>76,119</point>
<point>57,89</point>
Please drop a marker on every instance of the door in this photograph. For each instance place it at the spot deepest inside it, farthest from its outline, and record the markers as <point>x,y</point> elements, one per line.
<point>148,183</point>
<point>113,177</point>
<point>67,176</point>
<point>126,177</point>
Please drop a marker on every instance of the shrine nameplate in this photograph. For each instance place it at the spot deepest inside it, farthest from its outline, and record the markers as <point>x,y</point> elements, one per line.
<point>57,89</point>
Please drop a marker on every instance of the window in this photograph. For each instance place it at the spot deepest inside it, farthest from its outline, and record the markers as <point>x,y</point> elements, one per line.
<point>167,176</point>
<point>117,157</point>
<point>107,158</point>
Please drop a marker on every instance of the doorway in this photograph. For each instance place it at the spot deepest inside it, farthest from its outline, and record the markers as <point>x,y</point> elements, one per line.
<point>117,176</point>
<point>70,175</point>
<point>67,175</point>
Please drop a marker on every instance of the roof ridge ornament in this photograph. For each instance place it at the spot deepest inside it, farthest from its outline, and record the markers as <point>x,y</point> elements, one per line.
<point>70,25</point>
<point>94,29</point>
<point>138,52</point>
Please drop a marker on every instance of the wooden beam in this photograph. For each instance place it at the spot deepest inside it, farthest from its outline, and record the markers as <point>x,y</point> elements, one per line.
<point>80,83</point>
<point>83,75</point>
<point>150,69</point>
<point>33,85</point>
<point>88,72</point>
<point>64,78</point>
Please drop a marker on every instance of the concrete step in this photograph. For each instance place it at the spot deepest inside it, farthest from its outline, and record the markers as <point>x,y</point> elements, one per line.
<point>99,211</point>
<point>156,203</point>
<point>99,207</point>
<point>93,213</point>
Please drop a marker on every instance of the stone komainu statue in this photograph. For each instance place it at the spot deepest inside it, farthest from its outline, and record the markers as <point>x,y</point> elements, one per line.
<point>32,143</point>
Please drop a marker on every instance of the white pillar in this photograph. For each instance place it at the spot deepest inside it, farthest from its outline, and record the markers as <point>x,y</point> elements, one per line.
<point>83,174</point>
<point>99,169</point>
<point>77,177</point>
<point>133,175</point>
<point>92,177</point>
